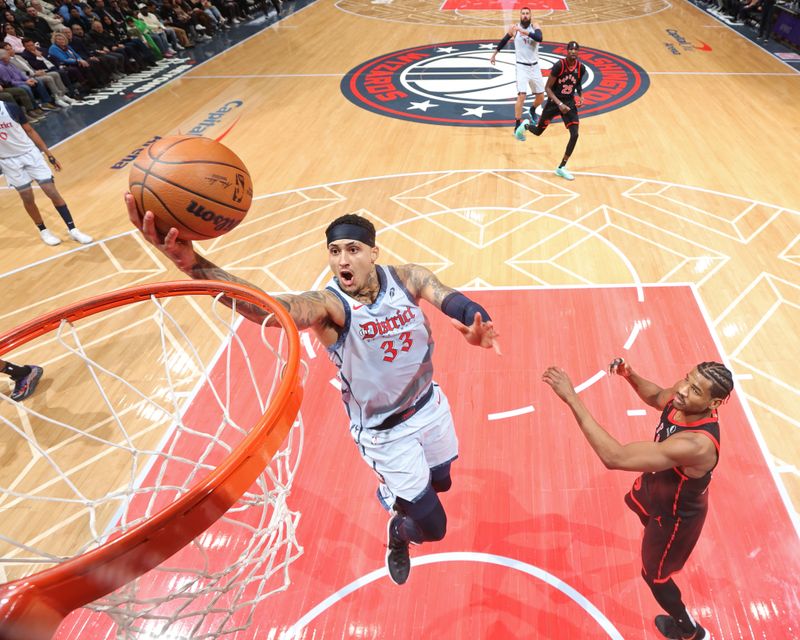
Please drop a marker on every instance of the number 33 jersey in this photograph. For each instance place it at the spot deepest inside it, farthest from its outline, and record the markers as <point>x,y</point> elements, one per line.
<point>384,352</point>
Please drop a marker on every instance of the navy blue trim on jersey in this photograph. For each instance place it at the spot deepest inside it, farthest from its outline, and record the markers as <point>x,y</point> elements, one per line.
<point>382,282</point>
<point>360,423</point>
<point>346,328</point>
<point>17,114</point>
<point>402,286</point>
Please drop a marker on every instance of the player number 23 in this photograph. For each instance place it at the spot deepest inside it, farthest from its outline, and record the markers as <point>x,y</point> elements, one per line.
<point>388,346</point>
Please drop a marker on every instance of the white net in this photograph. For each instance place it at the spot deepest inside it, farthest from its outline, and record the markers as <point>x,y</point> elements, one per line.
<point>137,406</point>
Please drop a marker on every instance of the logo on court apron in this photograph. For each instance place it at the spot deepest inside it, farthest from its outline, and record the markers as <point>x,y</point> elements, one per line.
<point>453,83</point>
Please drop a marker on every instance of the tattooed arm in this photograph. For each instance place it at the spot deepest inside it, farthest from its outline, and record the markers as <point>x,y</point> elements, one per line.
<point>319,310</point>
<point>468,317</point>
<point>422,283</point>
<point>310,310</point>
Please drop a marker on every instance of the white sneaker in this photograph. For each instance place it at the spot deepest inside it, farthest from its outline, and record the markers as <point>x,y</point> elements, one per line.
<point>62,103</point>
<point>80,236</point>
<point>48,237</point>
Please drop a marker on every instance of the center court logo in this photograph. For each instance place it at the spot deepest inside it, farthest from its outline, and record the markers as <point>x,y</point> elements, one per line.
<point>453,83</point>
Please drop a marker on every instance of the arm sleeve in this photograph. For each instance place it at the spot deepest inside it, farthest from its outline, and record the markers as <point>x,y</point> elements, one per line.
<point>537,35</point>
<point>458,306</point>
<point>503,42</point>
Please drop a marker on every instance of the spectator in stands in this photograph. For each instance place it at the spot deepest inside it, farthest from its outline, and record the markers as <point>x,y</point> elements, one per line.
<point>113,9</point>
<point>135,47</point>
<point>66,7</point>
<point>174,16</point>
<point>763,9</point>
<point>211,11</point>
<point>50,80</point>
<point>101,12</point>
<point>24,101</point>
<point>75,17</point>
<point>19,8</point>
<point>228,8</point>
<point>62,55</point>
<point>157,27</point>
<point>13,38</point>
<point>113,63</point>
<point>10,76</point>
<point>39,29</point>
<point>203,23</point>
<point>9,17</point>
<point>158,37</point>
<point>138,30</point>
<point>53,20</point>
<point>35,58</point>
<point>106,43</point>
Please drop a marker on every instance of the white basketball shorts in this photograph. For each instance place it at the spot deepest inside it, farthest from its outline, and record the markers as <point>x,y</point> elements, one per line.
<point>21,170</point>
<point>529,77</point>
<point>404,455</point>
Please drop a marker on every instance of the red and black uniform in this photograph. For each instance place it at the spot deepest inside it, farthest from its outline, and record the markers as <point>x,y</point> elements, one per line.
<point>567,84</point>
<point>671,505</point>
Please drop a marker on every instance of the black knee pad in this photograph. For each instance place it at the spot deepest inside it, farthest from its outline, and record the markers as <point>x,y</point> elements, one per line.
<point>428,521</point>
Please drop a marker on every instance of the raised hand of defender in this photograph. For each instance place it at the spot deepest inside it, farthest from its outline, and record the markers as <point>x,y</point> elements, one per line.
<point>619,367</point>
<point>559,382</point>
<point>479,333</point>
<point>179,251</point>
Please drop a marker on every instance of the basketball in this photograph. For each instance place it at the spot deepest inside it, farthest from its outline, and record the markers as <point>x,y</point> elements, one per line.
<point>194,184</point>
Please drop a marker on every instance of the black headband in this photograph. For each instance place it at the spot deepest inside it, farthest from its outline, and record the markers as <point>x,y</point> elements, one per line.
<point>345,231</point>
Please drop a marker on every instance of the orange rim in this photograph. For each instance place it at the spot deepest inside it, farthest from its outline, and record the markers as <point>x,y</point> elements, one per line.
<point>32,608</point>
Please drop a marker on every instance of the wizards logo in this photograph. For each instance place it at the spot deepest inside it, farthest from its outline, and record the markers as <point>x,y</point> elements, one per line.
<point>454,84</point>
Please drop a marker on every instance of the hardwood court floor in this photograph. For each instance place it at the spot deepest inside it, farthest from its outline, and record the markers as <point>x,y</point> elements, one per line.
<point>539,543</point>
<point>689,183</point>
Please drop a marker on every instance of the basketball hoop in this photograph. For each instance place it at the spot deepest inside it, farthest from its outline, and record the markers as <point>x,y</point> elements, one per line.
<point>225,390</point>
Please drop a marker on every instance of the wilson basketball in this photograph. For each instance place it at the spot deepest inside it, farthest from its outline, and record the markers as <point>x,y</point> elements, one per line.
<point>194,184</point>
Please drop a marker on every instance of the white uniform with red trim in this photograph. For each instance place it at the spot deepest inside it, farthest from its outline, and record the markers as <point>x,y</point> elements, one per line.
<point>20,159</point>
<point>529,72</point>
<point>384,357</point>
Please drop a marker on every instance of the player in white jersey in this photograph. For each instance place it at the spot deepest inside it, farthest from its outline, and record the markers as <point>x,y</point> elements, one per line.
<point>21,161</point>
<point>527,38</point>
<point>377,335</point>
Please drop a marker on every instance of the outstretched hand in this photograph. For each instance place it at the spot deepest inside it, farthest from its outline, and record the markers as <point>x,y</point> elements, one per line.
<point>179,251</point>
<point>619,367</point>
<point>559,382</point>
<point>479,333</point>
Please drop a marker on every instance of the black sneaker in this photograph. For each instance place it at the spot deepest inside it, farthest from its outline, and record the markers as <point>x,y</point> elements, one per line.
<point>669,629</point>
<point>27,385</point>
<point>398,561</point>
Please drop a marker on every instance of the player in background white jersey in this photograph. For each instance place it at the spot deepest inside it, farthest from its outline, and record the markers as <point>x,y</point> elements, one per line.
<point>527,37</point>
<point>21,161</point>
<point>370,320</point>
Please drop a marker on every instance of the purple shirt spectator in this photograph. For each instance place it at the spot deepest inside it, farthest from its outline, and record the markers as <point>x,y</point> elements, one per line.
<point>10,76</point>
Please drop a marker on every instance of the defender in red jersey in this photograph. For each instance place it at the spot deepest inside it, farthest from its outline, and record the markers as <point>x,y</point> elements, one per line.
<point>671,495</point>
<point>564,96</point>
